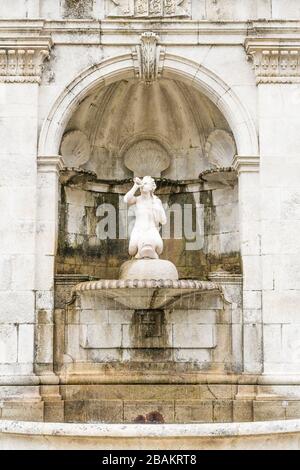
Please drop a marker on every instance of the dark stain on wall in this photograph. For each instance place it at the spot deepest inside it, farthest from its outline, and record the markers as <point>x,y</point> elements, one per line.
<point>77,8</point>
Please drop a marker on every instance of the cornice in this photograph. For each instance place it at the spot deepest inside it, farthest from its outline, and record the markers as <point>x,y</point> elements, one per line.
<point>246,164</point>
<point>275,60</point>
<point>21,58</point>
<point>50,164</point>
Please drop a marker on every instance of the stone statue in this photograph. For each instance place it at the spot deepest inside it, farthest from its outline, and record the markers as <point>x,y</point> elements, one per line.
<point>145,240</point>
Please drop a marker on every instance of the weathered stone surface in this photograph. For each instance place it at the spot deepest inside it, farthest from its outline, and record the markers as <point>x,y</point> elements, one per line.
<point>133,409</point>
<point>22,410</point>
<point>94,410</point>
<point>193,411</point>
<point>233,207</point>
<point>242,411</point>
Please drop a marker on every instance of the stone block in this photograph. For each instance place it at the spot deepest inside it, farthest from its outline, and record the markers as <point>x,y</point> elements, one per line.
<point>23,276</point>
<point>281,306</point>
<point>290,204</point>
<point>222,392</point>
<point>292,410</point>
<point>193,355</point>
<point>16,392</point>
<point>25,343</point>
<point>222,412</point>
<point>250,238</point>
<point>133,409</point>
<point>104,336</point>
<point>44,273</point>
<point>44,348</point>
<point>252,299</point>
<point>222,196</point>
<point>242,411</point>
<point>120,316</point>
<point>54,411</point>
<point>251,315</point>
<point>73,343</point>
<point>285,9</point>
<point>273,343</point>
<point>104,355</point>
<point>94,317</point>
<point>253,348</point>
<point>197,336</point>
<point>5,272</point>
<point>192,316</point>
<point>291,343</point>
<point>23,410</point>
<point>268,410</point>
<point>193,411</point>
<point>223,354</point>
<point>44,300</point>
<point>252,273</point>
<point>93,411</point>
<point>17,307</point>
<point>8,344</point>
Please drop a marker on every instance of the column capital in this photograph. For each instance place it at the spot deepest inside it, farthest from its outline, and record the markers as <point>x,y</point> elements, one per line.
<point>275,60</point>
<point>21,60</point>
<point>50,164</point>
<point>246,164</point>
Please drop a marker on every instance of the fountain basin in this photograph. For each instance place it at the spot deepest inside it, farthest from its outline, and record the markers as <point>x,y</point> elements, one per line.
<point>145,293</point>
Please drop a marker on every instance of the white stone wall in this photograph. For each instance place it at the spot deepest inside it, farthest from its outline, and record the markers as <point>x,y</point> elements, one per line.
<point>261,107</point>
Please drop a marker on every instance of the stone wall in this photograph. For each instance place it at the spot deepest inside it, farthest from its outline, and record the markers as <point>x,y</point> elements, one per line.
<point>225,86</point>
<point>215,245</point>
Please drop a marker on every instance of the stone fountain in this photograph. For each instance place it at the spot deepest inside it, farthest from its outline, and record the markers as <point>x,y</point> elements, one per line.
<point>146,282</point>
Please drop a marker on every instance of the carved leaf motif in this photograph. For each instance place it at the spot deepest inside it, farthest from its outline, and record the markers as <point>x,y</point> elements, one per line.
<point>170,7</point>
<point>141,7</point>
<point>155,7</point>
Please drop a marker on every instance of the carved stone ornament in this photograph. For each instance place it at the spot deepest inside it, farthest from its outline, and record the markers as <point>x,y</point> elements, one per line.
<point>22,63</point>
<point>148,8</point>
<point>75,148</point>
<point>149,58</point>
<point>274,61</point>
<point>220,149</point>
<point>147,157</point>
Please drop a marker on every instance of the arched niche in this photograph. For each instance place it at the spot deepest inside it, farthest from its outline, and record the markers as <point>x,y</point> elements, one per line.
<point>184,113</point>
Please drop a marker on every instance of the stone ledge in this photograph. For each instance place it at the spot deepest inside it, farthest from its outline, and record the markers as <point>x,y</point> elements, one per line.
<point>34,428</point>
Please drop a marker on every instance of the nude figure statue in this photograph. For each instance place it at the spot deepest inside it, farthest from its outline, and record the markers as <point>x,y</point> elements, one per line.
<point>145,240</point>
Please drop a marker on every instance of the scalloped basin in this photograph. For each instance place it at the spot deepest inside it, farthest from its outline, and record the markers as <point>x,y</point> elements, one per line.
<point>145,294</point>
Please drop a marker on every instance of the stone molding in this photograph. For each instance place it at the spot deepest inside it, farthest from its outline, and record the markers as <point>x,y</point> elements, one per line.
<point>145,283</point>
<point>274,60</point>
<point>224,277</point>
<point>148,58</point>
<point>21,62</point>
<point>246,164</point>
<point>50,164</point>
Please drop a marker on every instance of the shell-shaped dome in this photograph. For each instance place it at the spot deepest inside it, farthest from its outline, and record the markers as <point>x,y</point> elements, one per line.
<point>147,157</point>
<point>75,148</point>
<point>220,149</point>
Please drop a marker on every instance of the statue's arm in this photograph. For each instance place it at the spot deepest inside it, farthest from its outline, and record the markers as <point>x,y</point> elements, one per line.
<point>129,197</point>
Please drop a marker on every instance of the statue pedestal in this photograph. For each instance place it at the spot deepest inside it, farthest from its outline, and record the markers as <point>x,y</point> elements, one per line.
<point>148,269</point>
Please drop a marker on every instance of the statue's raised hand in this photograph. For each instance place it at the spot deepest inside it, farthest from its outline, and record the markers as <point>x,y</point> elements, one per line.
<point>138,182</point>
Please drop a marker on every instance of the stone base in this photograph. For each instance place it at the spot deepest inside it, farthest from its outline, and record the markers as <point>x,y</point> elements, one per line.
<point>148,269</point>
<point>159,403</point>
<point>52,436</point>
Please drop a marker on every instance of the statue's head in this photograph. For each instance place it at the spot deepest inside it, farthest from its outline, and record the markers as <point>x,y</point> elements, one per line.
<point>148,185</point>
